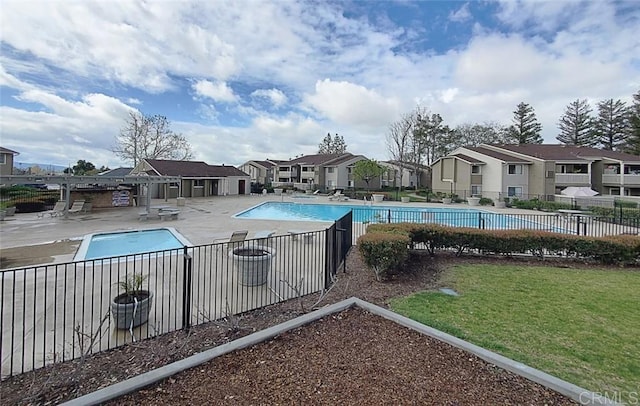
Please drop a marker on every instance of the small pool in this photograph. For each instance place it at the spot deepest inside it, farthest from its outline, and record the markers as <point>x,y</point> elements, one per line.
<point>106,245</point>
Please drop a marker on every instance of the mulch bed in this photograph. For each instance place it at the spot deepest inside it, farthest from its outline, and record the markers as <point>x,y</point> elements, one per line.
<point>334,375</point>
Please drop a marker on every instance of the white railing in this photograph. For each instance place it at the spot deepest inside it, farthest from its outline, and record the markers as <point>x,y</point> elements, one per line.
<point>573,178</point>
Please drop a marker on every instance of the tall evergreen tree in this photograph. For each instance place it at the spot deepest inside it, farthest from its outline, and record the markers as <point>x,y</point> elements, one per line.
<point>332,145</point>
<point>473,134</point>
<point>632,142</point>
<point>612,124</point>
<point>525,129</point>
<point>576,124</point>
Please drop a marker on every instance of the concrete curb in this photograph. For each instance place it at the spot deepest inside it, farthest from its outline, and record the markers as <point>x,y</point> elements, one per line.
<point>570,390</point>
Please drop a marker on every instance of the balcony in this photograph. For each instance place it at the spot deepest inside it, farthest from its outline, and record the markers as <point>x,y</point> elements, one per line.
<point>629,180</point>
<point>573,179</point>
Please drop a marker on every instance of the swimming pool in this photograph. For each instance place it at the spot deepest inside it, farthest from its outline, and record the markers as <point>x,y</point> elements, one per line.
<point>285,211</point>
<point>105,245</point>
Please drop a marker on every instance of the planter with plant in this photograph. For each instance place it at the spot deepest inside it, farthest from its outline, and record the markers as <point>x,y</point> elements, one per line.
<point>132,307</point>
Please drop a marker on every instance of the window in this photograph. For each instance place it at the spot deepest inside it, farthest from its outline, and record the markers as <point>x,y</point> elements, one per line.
<point>475,169</point>
<point>331,184</point>
<point>350,183</point>
<point>284,169</point>
<point>330,169</point>
<point>476,190</point>
<point>3,159</point>
<point>198,183</point>
<point>514,191</point>
<point>515,169</point>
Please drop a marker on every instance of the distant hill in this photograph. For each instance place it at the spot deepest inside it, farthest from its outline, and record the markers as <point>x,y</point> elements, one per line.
<point>44,167</point>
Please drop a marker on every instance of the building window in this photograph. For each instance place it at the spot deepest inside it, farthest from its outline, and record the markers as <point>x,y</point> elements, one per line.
<point>476,190</point>
<point>331,184</point>
<point>3,159</point>
<point>330,169</point>
<point>514,191</point>
<point>284,169</point>
<point>198,183</point>
<point>475,169</point>
<point>350,183</point>
<point>515,169</point>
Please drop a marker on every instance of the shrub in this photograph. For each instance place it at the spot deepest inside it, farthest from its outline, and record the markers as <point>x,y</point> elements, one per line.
<point>384,252</point>
<point>29,207</point>
<point>485,201</point>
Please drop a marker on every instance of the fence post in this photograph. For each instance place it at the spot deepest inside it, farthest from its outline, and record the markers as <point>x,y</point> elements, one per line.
<point>186,290</point>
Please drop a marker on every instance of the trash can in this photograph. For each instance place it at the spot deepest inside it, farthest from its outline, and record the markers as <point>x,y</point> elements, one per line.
<point>180,201</point>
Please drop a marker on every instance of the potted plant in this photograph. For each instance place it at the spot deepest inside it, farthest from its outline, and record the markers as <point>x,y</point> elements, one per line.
<point>252,263</point>
<point>473,200</point>
<point>501,203</point>
<point>132,307</point>
<point>447,199</point>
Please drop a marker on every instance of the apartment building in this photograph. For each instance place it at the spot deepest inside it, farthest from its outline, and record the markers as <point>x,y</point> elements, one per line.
<point>6,161</point>
<point>535,170</point>
<point>405,174</point>
<point>262,172</point>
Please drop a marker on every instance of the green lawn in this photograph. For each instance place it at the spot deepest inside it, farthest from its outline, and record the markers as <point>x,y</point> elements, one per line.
<point>582,326</point>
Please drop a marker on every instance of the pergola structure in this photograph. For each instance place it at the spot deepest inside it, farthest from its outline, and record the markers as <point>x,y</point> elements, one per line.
<point>66,182</point>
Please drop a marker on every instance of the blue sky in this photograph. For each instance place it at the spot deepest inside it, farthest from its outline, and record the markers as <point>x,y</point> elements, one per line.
<point>269,79</point>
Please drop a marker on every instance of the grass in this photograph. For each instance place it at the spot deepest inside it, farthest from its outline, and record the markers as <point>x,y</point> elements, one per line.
<point>581,325</point>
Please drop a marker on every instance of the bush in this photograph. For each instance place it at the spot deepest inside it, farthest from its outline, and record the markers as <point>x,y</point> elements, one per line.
<point>384,252</point>
<point>485,201</point>
<point>623,249</point>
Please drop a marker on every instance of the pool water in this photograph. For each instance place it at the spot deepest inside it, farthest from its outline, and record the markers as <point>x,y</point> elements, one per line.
<point>105,245</point>
<point>284,211</point>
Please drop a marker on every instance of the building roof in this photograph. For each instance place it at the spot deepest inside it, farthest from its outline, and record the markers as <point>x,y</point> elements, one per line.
<point>196,169</point>
<point>321,159</point>
<point>498,155</point>
<point>468,159</point>
<point>559,152</point>
<point>266,164</point>
<point>116,172</point>
<point>4,150</point>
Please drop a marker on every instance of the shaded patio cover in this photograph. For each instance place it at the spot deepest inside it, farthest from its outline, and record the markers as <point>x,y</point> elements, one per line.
<point>578,191</point>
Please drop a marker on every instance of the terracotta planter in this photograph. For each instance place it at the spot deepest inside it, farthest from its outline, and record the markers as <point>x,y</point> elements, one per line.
<point>252,264</point>
<point>124,311</point>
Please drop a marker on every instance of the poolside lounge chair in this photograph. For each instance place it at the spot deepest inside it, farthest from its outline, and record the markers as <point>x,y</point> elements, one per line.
<point>58,209</point>
<point>336,196</point>
<point>237,239</point>
<point>77,206</point>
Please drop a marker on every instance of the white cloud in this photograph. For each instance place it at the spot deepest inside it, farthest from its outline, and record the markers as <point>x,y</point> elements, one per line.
<point>461,15</point>
<point>348,104</point>
<point>218,91</point>
<point>276,96</point>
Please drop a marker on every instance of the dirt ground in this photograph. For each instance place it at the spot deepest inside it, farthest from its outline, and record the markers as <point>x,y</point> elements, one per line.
<point>35,254</point>
<point>344,339</point>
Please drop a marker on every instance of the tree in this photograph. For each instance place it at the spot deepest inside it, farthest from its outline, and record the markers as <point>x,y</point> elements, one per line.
<point>611,125</point>
<point>471,135</point>
<point>335,145</point>
<point>367,170</point>
<point>82,168</point>
<point>150,137</point>
<point>525,129</point>
<point>632,144</point>
<point>398,139</point>
<point>576,124</point>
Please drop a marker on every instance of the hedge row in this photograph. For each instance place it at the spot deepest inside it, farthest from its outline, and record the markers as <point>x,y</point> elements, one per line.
<point>385,246</point>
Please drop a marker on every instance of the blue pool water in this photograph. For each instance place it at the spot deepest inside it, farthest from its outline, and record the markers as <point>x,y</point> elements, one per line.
<point>283,211</point>
<point>105,245</point>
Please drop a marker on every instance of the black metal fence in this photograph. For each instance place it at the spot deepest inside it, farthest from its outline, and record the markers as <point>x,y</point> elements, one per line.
<point>566,221</point>
<point>60,312</point>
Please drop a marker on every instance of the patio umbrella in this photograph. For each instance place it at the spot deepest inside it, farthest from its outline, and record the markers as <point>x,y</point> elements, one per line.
<point>578,191</point>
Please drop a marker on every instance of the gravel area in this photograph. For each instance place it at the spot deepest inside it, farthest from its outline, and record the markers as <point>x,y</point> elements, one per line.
<point>351,358</point>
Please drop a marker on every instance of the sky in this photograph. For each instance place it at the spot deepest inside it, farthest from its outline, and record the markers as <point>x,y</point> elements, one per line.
<point>253,80</point>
